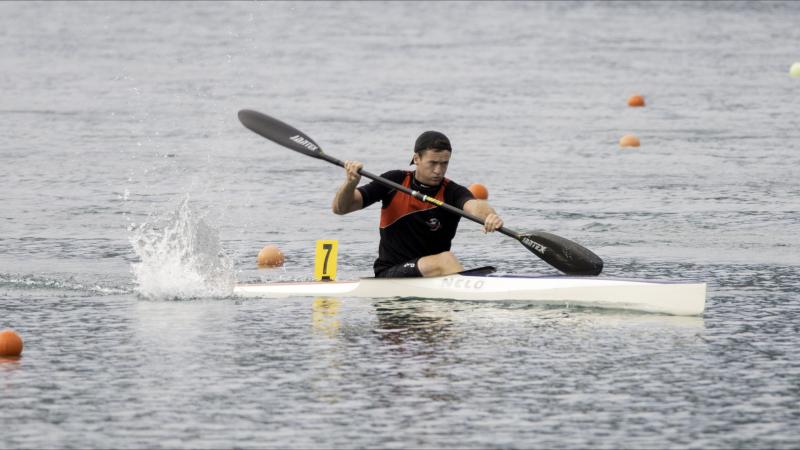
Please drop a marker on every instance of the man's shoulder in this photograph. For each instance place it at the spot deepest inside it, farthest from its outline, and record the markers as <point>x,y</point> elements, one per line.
<point>393,175</point>
<point>453,185</point>
<point>396,175</point>
<point>375,191</point>
<point>457,194</point>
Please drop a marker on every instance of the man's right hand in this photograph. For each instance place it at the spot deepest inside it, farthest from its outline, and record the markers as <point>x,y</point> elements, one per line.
<point>351,168</point>
<point>348,198</point>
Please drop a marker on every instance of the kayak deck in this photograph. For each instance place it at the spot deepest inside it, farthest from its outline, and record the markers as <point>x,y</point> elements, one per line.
<point>677,298</point>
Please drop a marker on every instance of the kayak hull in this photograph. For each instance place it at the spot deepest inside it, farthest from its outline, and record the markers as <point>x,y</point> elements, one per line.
<point>677,298</point>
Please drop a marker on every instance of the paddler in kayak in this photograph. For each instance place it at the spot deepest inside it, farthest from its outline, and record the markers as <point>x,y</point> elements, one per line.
<point>416,235</point>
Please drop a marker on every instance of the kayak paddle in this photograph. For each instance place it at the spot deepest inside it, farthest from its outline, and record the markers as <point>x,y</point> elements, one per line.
<point>563,254</point>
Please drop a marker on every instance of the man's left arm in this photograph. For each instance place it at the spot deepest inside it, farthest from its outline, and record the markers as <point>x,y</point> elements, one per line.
<point>482,209</point>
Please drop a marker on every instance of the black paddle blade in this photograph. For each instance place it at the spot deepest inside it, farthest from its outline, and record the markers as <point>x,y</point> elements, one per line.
<point>563,254</point>
<point>279,132</point>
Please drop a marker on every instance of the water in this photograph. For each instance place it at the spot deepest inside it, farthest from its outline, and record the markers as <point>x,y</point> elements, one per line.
<point>132,198</point>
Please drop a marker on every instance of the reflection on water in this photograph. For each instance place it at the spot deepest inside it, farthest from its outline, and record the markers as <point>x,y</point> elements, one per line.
<point>420,325</point>
<point>9,363</point>
<point>327,355</point>
<point>435,317</point>
<point>402,320</point>
<point>325,315</point>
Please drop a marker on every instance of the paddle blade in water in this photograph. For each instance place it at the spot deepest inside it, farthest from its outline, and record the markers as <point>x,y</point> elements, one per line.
<point>563,254</point>
<point>279,132</point>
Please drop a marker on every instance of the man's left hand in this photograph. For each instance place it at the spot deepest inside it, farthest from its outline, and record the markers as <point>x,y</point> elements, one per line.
<point>492,223</point>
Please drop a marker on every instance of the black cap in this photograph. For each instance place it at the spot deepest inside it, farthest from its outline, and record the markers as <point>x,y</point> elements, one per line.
<point>431,139</point>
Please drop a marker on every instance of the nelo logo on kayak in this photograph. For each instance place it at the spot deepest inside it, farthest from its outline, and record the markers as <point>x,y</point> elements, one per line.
<point>304,142</point>
<point>462,283</point>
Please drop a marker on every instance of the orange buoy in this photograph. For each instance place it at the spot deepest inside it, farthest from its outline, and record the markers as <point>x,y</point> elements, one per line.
<point>636,100</point>
<point>479,191</point>
<point>10,343</point>
<point>270,256</point>
<point>629,140</point>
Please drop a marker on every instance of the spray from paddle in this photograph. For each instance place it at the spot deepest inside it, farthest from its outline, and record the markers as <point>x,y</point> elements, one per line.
<point>180,257</point>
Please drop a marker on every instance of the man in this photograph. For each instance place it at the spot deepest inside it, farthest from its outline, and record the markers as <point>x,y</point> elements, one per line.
<point>416,235</point>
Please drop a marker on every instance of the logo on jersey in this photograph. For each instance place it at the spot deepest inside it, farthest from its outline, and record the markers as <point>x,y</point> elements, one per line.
<point>434,224</point>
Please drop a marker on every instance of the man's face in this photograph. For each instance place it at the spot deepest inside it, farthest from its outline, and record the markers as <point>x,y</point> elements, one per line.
<point>431,166</point>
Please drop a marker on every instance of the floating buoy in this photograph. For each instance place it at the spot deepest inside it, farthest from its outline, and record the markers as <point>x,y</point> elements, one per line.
<point>636,100</point>
<point>479,191</point>
<point>795,69</point>
<point>10,343</point>
<point>629,140</point>
<point>270,256</point>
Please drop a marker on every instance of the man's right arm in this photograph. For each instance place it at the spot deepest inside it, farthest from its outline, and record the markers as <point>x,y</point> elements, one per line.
<point>348,198</point>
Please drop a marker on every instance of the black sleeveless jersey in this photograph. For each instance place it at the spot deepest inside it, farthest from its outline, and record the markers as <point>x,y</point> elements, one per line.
<point>411,228</point>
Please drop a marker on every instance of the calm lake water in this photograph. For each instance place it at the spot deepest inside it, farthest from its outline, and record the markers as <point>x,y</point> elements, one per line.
<point>133,200</point>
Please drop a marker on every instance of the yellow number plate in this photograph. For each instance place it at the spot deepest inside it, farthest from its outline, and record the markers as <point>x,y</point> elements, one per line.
<point>325,260</point>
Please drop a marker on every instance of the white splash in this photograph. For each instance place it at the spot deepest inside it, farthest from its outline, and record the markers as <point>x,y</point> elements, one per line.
<point>181,257</point>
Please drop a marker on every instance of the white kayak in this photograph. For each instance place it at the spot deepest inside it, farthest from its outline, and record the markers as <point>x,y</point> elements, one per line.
<point>668,297</point>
